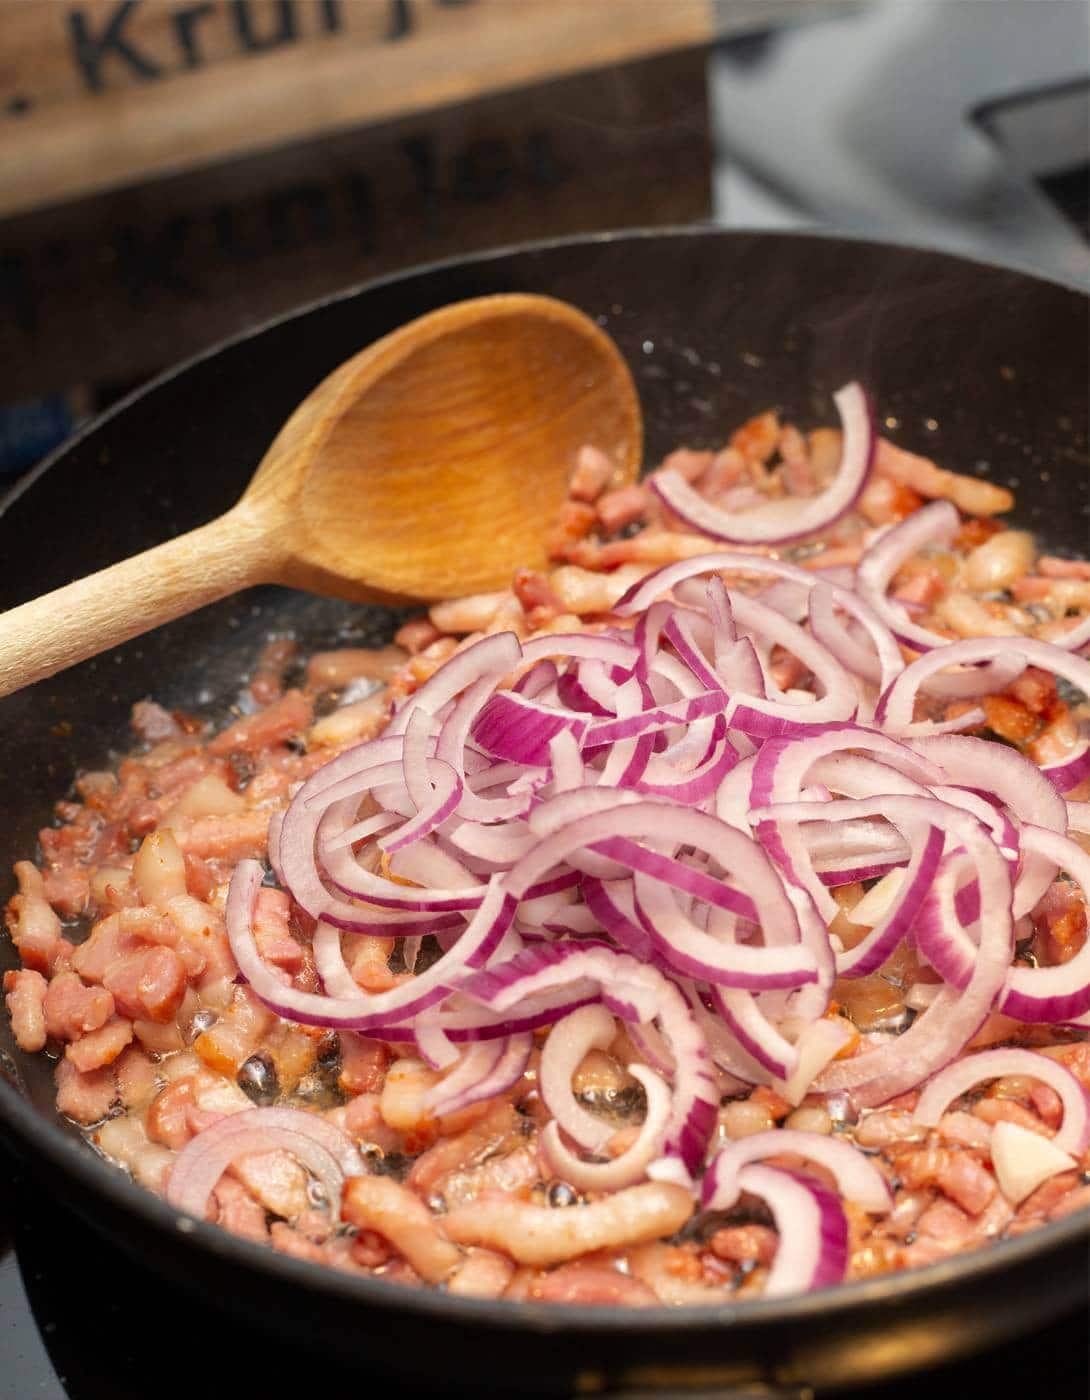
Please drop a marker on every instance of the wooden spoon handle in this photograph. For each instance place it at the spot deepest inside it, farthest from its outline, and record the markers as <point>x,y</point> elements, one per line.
<point>107,608</point>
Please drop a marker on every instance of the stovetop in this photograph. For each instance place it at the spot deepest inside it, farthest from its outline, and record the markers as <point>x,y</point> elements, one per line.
<point>80,1321</point>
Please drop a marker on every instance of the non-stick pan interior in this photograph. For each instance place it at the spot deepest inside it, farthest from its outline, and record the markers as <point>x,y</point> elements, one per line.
<point>984,369</point>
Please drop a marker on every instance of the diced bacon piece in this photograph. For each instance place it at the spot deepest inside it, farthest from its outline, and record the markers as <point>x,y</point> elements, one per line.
<point>148,985</point>
<point>267,681</point>
<point>1047,1104</point>
<point>359,720</point>
<point>1053,567</point>
<point>274,725</point>
<point>482,1274</point>
<point>964,1130</point>
<point>1009,719</point>
<point>742,1244</point>
<point>167,1116</point>
<point>200,880</point>
<point>920,585</point>
<point>105,947</point>
<point>276,1179</point>
<point>415,635</point>
<point>884,501</point>
<point>378,1203</point>
<point>73,1009</point>
<point>540,1236</point>
<point>148,925</point>
<point>1036,689</point>
<point>362,1120</point>
<point>363,1064</point>
<point>159,868</point>
<point>370,964</point>
<point>272,933</point>
<point>758,437</point>
<point>100,1047</point>
<point>971,495</point>
<point>965,1181</point>
<point>574,522</point>
<point>490,1134</point>
<point>24,993</point>
<point>536,597</point>
<point>152,723</point>
<point>1009,1111</point>
<point>201,938</point>
<point>241,836</point>
<point>137,1077</point>
<point>34,927</point>
<point>333,670</point>
<point>512,1172</point>
<point>688,463</point>
<point>591,475</point>
<point>623,507</point>
<point>237,1211</point>
<point>67,888</point>
<point>84,1097</point>
<point>236,1035</point>
<point>587,1282</point>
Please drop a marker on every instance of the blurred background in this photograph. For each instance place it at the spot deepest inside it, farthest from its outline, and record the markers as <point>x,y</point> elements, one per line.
<point>175,171</point>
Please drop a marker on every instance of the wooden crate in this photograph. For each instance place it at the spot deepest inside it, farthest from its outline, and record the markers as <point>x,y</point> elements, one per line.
<point>112,287</point>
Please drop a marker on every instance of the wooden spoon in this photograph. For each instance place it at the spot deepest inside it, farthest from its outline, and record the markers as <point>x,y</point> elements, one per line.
<point>430,465</point>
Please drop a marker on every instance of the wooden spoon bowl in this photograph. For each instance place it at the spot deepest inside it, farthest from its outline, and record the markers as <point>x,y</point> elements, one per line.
<point>430,465</point>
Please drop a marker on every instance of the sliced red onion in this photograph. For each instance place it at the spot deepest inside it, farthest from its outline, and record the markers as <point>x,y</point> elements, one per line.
<point>754,1032</point>
<point>788,518</point>
<point>491,658</point>
<point>813,1230</point>
<point>318,1145</point>
<point>1015,781</point>
<point>934,524</point>
<point>857,1178</point>
<point>1073,1134</point>
<point>940,1033</point>
<point>365,1012</point>
<point>1056,995</point>
<point>879,944</point>
<point>487,1068</point>
<point>895,708</point>
<point>514,727</point>
<point>756,967</point>
<point>635,992</point>
<point>1071,771</point>
<point>632,1164</point>
<point>591,1028</point>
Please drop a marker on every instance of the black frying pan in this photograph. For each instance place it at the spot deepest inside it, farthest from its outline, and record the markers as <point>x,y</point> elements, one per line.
<point>986,368</point>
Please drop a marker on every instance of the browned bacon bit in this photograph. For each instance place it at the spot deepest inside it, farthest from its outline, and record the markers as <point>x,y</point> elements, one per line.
<point>414,636</point>
<point>84,1097</point>
<point>574,522</point>
<point>536,597</point>
<point>333,670</point>
<point>101,1047</point>
<point>743,1244</point>
<point>267,681</point>
<point>592,474</point>
<point>588,1281</point>
<point>152,723</point>
<point>277,723</point>
<point>25,993</point>
<point>621,508</point>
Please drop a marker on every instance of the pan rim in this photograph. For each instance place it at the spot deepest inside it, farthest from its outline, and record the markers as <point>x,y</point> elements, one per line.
<point>813,234</point>
<point>67,1154</point>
